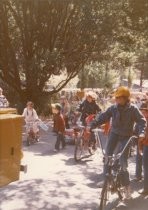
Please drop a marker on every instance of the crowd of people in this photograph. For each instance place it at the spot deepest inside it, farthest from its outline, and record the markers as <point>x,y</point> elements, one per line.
<point>123,118</point>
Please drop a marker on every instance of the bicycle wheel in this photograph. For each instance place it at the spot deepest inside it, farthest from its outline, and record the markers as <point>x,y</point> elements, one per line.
<point>92,148</point>
<point>104,195</point>
<point>120,189</point>
<point>78,149</point>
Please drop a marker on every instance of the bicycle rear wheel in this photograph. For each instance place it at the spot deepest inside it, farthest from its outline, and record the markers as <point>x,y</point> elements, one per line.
<point>104,195</point>
<point>78,149</point>
<point>92,148</point>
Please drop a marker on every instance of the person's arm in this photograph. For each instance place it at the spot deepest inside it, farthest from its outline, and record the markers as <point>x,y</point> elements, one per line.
<point>98,109</point>
<point>102,118</point>
<point>25,114</point>
<point>140,122</point>
<point>81,106</point>
<point>35,115</point>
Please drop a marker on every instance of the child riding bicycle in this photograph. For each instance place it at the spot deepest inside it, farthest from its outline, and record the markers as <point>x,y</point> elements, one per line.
<point>123,115</point>
<point>31,120</point>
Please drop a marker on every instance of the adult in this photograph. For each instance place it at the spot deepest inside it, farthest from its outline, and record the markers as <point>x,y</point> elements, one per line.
<point>3,100</point>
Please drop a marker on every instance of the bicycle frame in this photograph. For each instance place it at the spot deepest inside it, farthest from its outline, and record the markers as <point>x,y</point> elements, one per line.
<point>113,158</point>
<point>82,142</point>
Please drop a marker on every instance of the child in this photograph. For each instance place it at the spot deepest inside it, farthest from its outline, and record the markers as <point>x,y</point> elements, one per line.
<point>59,126</point>
<point>123,115</point>
<point>143,146</point>
<point>30,115</point>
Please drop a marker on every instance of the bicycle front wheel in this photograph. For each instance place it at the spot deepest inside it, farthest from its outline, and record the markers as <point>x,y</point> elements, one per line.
<point>78,149</point>
<point>104,195</point>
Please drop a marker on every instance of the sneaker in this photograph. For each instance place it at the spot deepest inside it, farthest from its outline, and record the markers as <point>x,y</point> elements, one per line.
<point>37,139</point>
<point>127,192</point>
<point>55,150</point>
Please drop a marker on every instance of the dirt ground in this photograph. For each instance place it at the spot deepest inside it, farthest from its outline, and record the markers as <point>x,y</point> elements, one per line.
<point>54,181</point>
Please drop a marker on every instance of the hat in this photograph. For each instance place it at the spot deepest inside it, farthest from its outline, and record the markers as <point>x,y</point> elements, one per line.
<point>56,106</point>
<point>92,95</point>
<point>144,106</point>
<point>122,92</point>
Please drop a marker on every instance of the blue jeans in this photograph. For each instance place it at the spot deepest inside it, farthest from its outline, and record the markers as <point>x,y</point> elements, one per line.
<point>145,167</point>
<point>115,141</point>
<point>138,164</point>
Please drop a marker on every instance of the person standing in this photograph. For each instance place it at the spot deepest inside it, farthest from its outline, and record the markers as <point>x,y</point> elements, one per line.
<point>3,100</point>
<point>59,126</point>
<point>143,149</point>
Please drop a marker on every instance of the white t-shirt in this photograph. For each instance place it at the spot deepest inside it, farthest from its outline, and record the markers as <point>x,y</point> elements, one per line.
<point>30,115</point>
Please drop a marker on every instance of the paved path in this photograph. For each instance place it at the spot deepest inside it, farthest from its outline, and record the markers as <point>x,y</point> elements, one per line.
<point>56,182</point>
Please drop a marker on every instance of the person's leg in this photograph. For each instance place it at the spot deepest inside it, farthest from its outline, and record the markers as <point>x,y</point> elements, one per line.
<point>66,122</point>
<point>145,166</point>
<point>57,145</point>
<point>124,161</point>
<point>92,140</point>
<point>63,141</point>
<point>124,165</point>
<point>138,165</point>
<point>110,147</point>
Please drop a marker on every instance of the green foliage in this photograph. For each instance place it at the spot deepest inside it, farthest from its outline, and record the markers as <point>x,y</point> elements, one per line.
<point>97,75</point>
<point>99,38</point>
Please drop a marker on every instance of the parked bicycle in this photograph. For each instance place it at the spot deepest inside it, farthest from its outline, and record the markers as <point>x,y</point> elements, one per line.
<point>113,178</point>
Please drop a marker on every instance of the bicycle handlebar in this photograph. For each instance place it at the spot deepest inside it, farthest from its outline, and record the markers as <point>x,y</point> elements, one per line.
<point>117,156</point>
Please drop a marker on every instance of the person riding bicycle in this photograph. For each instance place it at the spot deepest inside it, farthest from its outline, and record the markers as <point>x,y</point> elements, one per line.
<point>123,115</point>
<point>30,116</point>
<point>88,106</point>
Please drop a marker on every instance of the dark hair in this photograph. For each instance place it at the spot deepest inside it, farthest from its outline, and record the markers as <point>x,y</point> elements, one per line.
<point>30,103</point>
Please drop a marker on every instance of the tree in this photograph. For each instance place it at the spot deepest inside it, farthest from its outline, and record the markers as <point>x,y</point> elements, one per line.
<point>97,75</point>
<point>39,39</point>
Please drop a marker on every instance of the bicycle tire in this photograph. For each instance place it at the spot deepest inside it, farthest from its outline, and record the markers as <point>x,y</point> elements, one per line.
<point>104,195</point>
<point>92,149</point>
<point>78,149</point>
<point>120,191</point>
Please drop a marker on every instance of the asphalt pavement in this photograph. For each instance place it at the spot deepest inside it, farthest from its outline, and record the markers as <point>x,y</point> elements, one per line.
<point>54,181</point>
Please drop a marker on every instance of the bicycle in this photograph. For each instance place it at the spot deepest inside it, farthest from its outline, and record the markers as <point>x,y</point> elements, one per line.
<point>113,178</point>
<point>82,143</point>
<point>32,137</point>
